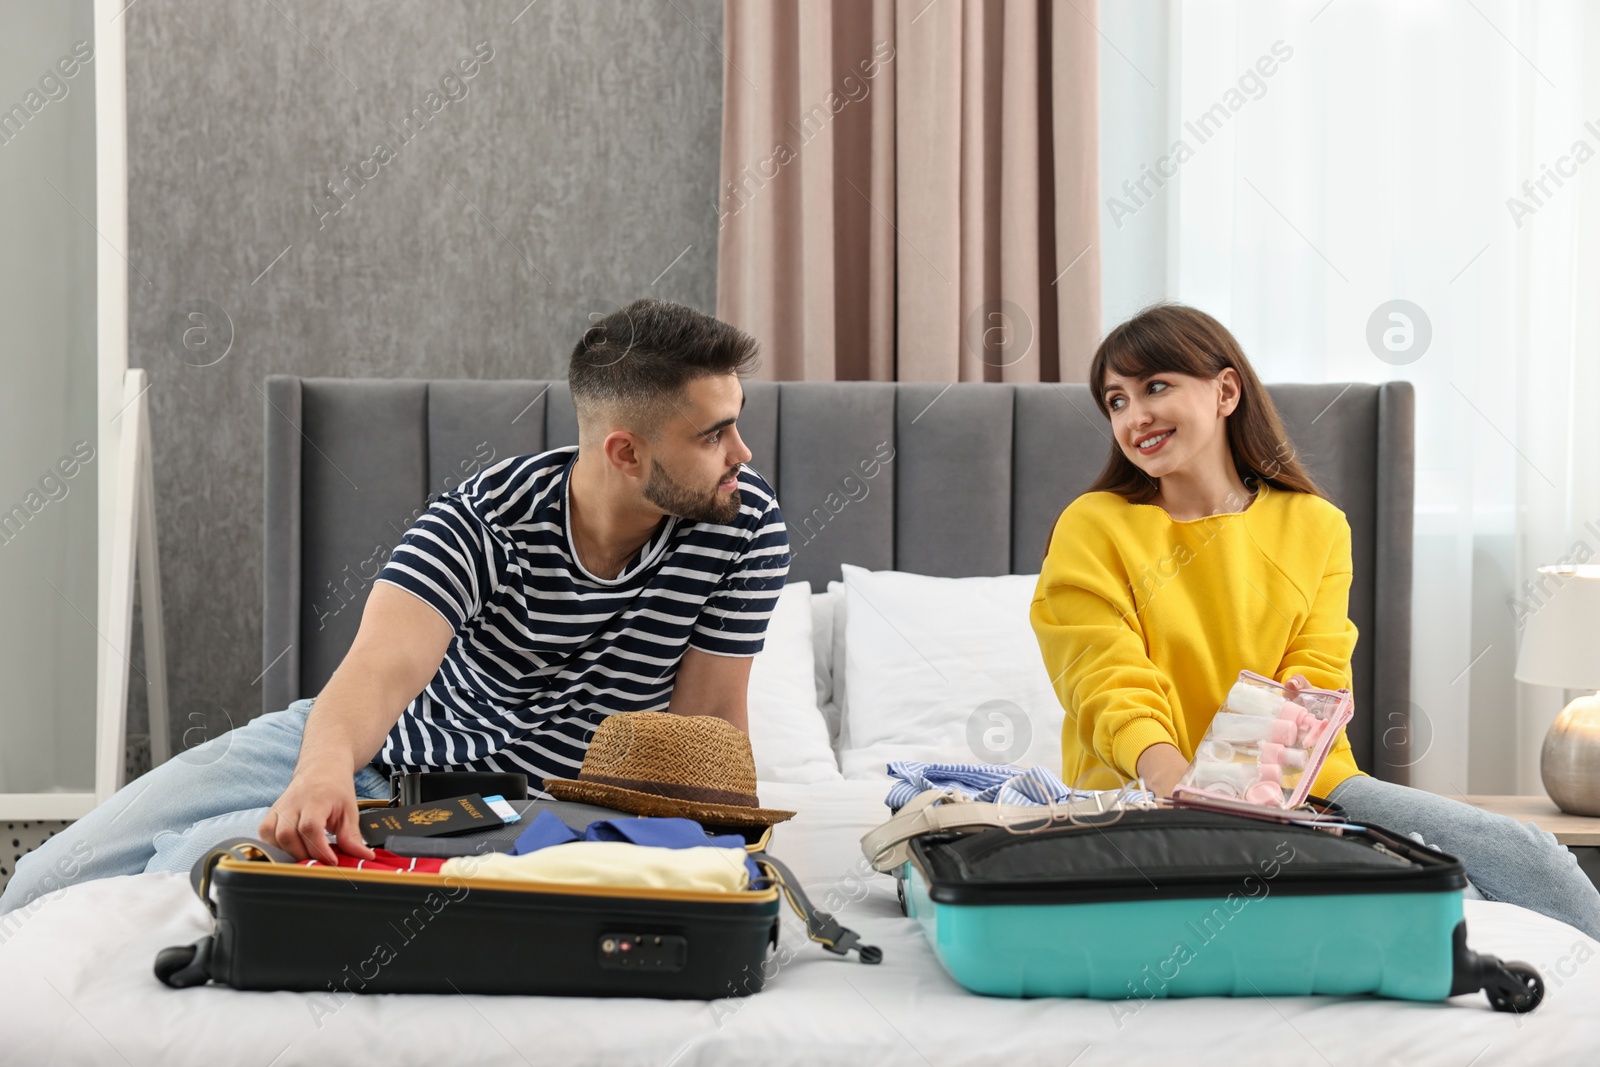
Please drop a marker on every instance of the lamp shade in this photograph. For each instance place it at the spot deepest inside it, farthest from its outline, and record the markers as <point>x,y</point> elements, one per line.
<point>1561,636</point>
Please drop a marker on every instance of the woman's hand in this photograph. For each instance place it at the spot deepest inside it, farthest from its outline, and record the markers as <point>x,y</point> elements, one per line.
<point>1297,684</point>
<point>1161,766</point>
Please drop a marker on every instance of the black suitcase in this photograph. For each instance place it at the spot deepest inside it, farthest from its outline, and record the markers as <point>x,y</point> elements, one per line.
<point>284,926</point>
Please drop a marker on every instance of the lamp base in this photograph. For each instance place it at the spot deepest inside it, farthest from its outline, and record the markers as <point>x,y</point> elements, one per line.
<point>1570,760</point>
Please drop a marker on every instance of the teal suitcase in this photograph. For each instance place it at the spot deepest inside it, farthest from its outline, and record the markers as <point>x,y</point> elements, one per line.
<point>1182,903</point>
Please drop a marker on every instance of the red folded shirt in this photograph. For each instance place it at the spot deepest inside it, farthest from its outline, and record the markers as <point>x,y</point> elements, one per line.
<point>386,861</point>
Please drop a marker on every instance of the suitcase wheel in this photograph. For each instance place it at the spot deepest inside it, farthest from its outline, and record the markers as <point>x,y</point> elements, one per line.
<point>1510,985</point>
<point>1513,986</point>
<point>183,966</point>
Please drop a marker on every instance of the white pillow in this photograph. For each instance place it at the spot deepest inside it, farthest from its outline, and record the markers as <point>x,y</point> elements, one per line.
<point>787,731</point>
<point>822,654</point>
<point>827,638</point>
<point>944,669</point>
<point>840,706</point>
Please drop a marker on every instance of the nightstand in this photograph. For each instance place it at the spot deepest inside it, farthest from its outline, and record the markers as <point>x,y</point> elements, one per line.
<point>1580,833</point>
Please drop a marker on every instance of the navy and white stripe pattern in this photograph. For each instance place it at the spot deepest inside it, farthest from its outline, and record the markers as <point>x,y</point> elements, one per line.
<point>1001,783</point>
<point>543,649</point>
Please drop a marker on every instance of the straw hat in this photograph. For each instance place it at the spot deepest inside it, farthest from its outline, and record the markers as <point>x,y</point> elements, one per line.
<point>661,764</point>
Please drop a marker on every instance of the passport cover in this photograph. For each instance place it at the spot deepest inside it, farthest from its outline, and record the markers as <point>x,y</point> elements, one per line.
<point>458,815</point>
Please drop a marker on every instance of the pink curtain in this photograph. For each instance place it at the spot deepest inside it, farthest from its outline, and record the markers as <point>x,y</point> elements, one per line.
<point>908,188</point>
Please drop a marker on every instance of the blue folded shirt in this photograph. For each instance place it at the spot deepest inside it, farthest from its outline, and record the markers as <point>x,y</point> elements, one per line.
<point>1002,783</point>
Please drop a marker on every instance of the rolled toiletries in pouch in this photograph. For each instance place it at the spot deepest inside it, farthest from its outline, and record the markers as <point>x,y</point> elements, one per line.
<point>1266,744</point>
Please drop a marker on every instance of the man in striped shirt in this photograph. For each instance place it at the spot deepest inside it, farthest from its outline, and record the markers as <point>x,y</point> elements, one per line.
<point>634,572</point>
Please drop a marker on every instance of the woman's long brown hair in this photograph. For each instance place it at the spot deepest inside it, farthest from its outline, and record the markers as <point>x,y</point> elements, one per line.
<point>1177,339</point>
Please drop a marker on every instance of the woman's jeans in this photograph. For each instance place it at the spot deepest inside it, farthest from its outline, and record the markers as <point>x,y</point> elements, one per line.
<point>1505,859</point>
<point>170,818</point>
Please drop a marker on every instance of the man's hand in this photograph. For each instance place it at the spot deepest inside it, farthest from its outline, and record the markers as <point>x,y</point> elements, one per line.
<point>1161,766</point>
<point>397,650</point>
<point>316,799</point>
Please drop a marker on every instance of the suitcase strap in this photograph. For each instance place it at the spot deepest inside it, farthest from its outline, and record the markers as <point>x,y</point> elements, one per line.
<point>887,846</point>
<point>821,927</point>
<point>242,848</point>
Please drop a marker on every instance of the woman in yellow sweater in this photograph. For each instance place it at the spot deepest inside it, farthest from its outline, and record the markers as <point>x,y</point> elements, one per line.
<point>1204,548</point>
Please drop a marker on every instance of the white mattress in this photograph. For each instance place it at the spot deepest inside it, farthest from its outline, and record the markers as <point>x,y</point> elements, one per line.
<point>76,988</point>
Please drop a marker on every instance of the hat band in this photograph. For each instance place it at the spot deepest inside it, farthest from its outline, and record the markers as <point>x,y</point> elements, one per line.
<point>697,793</point>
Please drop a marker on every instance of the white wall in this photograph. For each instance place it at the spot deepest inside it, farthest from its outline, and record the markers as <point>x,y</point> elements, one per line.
<point>47,400</point>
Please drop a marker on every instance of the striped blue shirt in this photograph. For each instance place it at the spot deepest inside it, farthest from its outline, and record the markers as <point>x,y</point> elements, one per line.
<point>543,649</point>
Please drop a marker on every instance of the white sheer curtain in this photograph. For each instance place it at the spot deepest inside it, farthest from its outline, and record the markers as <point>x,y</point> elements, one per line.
<point>1358,153</point>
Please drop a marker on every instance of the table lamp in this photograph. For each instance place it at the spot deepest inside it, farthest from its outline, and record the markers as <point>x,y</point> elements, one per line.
<point>1561,647</point>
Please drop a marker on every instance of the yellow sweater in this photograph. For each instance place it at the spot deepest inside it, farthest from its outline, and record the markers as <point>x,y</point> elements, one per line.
<point>1145,622</point>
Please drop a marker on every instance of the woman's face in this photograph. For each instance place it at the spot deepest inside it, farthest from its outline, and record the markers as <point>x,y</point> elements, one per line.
<point>1166,422</point>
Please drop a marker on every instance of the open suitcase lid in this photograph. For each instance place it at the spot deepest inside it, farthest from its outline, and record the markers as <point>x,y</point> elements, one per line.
<point>1174,854</point>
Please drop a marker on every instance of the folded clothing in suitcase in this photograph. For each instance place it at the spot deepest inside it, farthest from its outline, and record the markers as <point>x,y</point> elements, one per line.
<point>284,926</point>
<point>1170,902</point>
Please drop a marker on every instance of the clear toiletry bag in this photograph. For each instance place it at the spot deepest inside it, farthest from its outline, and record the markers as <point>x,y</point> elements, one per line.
<point>1266,744</point>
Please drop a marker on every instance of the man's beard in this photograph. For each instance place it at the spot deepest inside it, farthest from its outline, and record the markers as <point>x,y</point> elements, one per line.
<point>675,498</point>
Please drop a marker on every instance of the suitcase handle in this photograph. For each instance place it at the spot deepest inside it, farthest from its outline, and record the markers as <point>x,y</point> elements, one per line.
<point>241,848</point>
<point>821,927</point>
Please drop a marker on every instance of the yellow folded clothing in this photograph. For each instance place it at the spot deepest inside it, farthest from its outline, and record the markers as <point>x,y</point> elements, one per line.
<point>613,863</point>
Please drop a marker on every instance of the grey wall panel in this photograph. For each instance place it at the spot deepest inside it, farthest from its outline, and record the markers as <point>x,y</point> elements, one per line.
<point>560,417</point>
<point>565,179</point>
<point>837,462</point>
<point>1343,458</point>
<point>1397,742</point>
<point>1335,435</point>
<point>1060,444</point>
<point>472,425</point>
<point>953,479</point>
<point>843,458</point>
<point>281,646</point>
<point>365,463</point>
<point>758,426</point>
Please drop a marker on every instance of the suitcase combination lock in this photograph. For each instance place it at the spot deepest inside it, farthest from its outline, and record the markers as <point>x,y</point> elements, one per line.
<point>643,952</point>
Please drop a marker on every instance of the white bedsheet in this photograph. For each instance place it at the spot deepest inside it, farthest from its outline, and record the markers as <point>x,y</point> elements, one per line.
<point>76,988</point>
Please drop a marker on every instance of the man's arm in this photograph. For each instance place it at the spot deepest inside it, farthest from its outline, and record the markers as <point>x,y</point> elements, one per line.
<point>396,652</point>
<point>709,684</point>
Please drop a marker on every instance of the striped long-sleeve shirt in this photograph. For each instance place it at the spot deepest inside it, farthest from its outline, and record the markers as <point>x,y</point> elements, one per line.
<point>543,649</point>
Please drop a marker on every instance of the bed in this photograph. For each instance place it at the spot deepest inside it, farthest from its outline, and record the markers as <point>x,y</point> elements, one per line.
<point>877,648</point>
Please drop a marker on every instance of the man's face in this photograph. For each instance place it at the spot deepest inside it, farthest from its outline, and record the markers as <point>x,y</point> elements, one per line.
<point>694,465</point>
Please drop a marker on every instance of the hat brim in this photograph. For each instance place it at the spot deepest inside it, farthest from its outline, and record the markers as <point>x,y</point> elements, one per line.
<point>651,805</point>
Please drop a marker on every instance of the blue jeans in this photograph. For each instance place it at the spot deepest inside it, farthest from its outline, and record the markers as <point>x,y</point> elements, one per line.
<point>170,818</point>
<point>1506,860</point>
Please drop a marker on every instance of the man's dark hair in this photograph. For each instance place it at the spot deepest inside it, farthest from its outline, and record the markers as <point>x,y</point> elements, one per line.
<point>636,362</point>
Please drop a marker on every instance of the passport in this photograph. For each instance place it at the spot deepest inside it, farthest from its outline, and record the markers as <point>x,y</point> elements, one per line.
<point>458,815</point>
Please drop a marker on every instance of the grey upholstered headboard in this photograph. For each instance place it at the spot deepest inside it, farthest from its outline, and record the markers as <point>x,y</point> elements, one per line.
<point>978,475</point>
